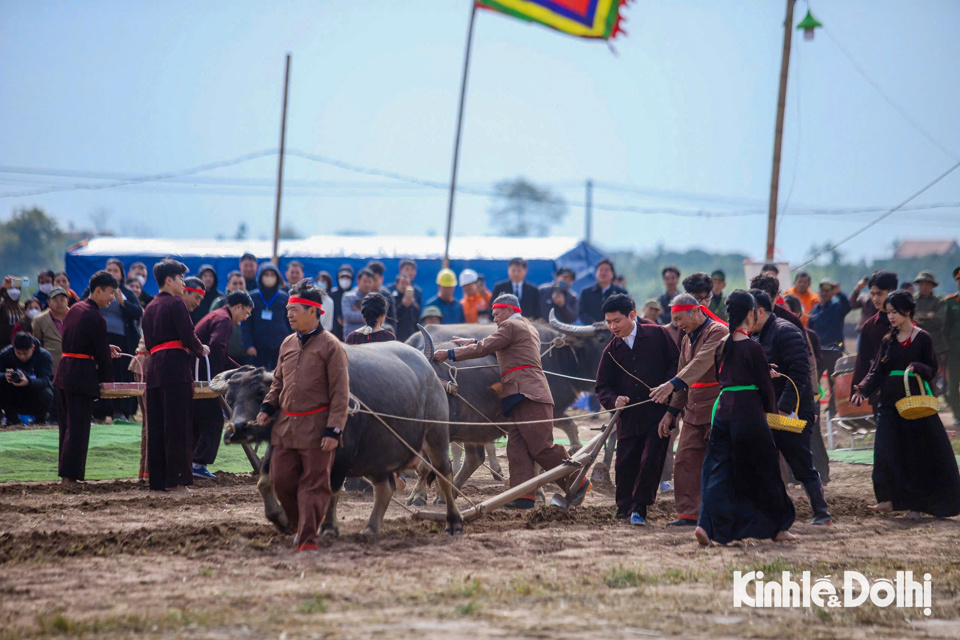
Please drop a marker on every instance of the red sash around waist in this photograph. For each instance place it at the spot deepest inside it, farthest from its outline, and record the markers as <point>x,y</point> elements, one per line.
<point>704,385</point>
<point>306,413</point>
<point>524,366</point>
<point>78,356</point>
<point>173,344</point>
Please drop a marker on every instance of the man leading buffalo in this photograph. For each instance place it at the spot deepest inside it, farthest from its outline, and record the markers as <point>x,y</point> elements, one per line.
<point>309,397</point>
<point>525,396</point>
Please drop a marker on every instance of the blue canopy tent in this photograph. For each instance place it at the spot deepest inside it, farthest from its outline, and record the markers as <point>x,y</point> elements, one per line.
<point>486,255</point>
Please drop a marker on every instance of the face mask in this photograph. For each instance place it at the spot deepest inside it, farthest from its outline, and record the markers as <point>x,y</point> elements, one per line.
<point>46,288</point>
<point>269,281</point>
<point>33,313</point>
<point>345,282</point>
<point>322,286</point>
<point>14,294</point>
<point>142,279</point>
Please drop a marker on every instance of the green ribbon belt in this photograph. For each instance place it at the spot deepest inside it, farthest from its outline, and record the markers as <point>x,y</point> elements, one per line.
<point>749,387</point>
<point>901,372</point>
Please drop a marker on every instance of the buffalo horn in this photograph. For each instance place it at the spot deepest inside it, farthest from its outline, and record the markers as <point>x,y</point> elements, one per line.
<point>427,342</point>
<point>570,329</point>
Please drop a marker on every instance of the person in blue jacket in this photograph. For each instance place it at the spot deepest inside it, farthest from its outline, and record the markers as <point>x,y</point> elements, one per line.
<point>267,326</point>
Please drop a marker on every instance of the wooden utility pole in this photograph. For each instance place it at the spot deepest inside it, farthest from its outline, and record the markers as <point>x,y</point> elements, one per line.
<point>283,139</point>
<point>588,234</point>
<point>778,136</point>
<point>456,143</point>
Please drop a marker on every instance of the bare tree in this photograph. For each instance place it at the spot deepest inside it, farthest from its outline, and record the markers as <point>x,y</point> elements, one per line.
<point>522,209</point>
<point>100,219</point>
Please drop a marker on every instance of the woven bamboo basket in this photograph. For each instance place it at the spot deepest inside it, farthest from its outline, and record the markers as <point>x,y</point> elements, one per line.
<point>786,423</point>
<point>124,389</point>
<point>916,407</point>
<point>201,388</point>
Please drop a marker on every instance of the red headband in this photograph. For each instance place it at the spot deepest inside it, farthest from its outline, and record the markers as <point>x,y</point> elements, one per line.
<point>192,290</point>
<point>707,312</point>
<point>501,305</point>
<point>309,303</point>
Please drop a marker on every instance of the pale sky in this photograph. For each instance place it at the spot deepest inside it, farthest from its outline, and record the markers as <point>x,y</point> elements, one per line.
<point>683,116</point>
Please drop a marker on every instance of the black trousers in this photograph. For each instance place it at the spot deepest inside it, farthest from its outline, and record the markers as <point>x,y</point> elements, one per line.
<point>75,415</point>
<point>170,435</point>
<point>207,429</point>
<point>795,449</point>
<point>29,400</point>
<point>641,453</point>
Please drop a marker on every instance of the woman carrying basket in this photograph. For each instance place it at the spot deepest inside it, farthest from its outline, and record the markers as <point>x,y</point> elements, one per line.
<point>914,468</point>
<point>742,493</point>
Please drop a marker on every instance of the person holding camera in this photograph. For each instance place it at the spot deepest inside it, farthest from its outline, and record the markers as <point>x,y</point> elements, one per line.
<point>559,297</point>
<point>26,388</point>
<point>408,307</point>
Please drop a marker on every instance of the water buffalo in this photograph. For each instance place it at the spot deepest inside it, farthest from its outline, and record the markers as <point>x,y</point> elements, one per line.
<point>567,349</point>
<point>390,378</point>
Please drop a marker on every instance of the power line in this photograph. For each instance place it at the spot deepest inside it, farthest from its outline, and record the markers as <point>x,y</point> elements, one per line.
<point>175,182</point>
<point>148,178</point>
<point>885,215</point>
<point>888,99</point>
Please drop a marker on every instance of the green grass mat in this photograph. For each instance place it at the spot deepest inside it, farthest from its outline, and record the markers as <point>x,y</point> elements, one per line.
<point>861,456</point>
<point>114,453</point>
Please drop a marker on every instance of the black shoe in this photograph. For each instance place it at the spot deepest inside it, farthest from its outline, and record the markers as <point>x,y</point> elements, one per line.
<point>621,515</point>
<point>682,522</point>
<point>521,503</point>
<point>822,520</point>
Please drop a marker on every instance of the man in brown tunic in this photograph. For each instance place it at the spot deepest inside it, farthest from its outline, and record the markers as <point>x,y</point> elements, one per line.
<point>308,397</point>
<point>695,389</point>
<point>524,395</point>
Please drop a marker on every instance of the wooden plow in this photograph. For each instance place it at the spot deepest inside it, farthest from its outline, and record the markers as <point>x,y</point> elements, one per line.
<point>577,466</point>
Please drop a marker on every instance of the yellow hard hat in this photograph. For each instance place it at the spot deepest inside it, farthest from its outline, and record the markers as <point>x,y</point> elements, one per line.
<point>446,278</point>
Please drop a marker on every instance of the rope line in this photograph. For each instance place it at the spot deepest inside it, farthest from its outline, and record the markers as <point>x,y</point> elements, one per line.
<point>470,424</point>
<point>380,418</point>
<point>628,373</point>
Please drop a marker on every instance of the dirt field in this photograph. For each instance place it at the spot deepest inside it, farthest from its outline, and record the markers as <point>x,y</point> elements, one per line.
<point>117,561</point>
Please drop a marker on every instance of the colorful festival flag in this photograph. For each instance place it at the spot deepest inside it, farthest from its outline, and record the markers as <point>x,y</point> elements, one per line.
<point>582,18</point>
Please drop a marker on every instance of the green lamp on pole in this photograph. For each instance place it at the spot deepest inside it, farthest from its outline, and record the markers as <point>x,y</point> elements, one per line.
<point>809,24</point>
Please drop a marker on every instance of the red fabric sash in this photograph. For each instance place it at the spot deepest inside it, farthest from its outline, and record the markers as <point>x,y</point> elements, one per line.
<point>306,413</point>
<point>501,305</point>
<point>309,303</point>
<point>525,366</point>
<point>173,344</point>
<point>78,356</point>
<point>192,290</point>
<point>706,312</point>
<point>704,385</point>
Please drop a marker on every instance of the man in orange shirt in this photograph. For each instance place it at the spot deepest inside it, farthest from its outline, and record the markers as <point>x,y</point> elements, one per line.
<point>475,299</point>
<point>801,289</point>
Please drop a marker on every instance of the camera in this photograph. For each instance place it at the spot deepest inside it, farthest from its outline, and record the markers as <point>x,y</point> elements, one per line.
<point>15,376</point>
<point>561,286</point>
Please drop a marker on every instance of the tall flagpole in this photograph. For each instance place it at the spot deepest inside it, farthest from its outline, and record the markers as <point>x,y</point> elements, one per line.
<point>456,144</point>
<point>778,136</point>
<point>283,139</point>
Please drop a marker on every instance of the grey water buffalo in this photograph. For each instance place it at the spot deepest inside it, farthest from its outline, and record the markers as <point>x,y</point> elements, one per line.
<point>389,378</point>
<point>567,349</point>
